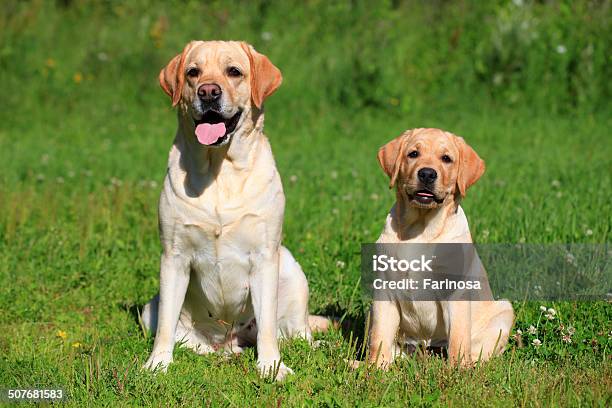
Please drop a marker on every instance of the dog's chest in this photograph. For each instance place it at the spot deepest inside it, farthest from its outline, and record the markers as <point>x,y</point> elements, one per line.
<point>423,320</point>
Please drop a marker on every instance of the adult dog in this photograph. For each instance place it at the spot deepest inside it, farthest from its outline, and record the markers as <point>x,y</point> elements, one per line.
<point>225,279</point>
<point>431,171</point>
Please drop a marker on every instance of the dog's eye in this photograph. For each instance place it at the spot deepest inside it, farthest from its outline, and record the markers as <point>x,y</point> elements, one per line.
<point>446,159</point>
<point>413,154</point>
<point>234,72</point>
<point>193,72</point>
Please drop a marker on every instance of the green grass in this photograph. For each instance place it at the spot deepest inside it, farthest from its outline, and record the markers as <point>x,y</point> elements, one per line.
<point>84,136</point>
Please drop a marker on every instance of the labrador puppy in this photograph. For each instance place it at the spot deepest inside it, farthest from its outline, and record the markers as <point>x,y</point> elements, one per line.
<point>225,280</point>
<point>431,171</point>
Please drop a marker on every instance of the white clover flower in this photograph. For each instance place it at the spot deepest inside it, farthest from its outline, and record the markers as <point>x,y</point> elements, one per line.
<point>293,178</point>
<point>40,177</point>
<point>519,331</point>
<point>536,342</point>
<point>485,233</point>
<point>71,174</point>
<point>334,174</point>
<point>571,330</point>
<point>552,311</point>
<point>550,316</point>
<point>589,232</point>
<point>556,183</point>
<point>559,194</point>
<point>60,180</point>
<point>532,330</point>
<point>153,184</point>
<point>543,308</point>
<point>518,3</point>
<point>566,338</point>
<point>340,264</point>
<point>266,36</point>
<point>374,196</point>
<point>561,49</point>
<point>335,211</point>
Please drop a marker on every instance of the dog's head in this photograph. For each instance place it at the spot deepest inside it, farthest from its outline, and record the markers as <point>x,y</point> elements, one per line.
<point>430,166</point>
<point>217,85</point>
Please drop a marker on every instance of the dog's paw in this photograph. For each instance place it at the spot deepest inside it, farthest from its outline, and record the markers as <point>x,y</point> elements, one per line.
<point>269,368</point>
<point>158,362</point>
<point>353,364</point>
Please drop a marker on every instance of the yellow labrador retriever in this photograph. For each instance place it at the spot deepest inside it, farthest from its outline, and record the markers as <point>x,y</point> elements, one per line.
<point>432,170</point>
<point>225,279</point>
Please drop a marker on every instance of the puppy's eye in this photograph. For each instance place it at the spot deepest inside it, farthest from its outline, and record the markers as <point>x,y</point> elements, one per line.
<point>234,72</point>
<point>413,154</point>
<point>446,159</point>
<point>193,72</point>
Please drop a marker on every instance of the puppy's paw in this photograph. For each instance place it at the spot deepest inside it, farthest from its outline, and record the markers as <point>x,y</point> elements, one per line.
<point>268,368</point>
<point>353,364</point>
<point>158,362</point>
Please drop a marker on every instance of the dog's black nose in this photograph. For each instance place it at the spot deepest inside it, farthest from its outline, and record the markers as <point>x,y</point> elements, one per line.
<point>209,92</point>
<point>427,175</point>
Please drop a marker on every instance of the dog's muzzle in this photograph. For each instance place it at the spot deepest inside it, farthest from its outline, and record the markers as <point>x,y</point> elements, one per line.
<point>213,129</point>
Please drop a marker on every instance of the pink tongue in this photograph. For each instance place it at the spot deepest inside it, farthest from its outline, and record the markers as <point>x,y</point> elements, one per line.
<point>424,194</point>
<point>209,133</point>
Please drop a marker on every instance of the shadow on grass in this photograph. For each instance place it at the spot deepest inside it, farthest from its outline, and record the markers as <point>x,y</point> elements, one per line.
<point>352,326</point>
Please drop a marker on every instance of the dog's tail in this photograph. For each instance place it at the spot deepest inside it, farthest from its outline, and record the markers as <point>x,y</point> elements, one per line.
<point>321,324</point>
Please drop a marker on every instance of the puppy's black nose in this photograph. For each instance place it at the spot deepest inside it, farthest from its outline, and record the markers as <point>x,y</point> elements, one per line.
<point>209,92</point>
<point>427,175</point>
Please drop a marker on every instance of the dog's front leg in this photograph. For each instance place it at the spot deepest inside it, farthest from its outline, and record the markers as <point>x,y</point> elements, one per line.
<point>459,339</point>
<point>264,293</point>
<point>174,278</point>
<point>384,324</point>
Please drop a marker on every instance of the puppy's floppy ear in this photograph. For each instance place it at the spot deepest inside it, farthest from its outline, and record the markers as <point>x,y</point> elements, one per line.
<point>390,158</point>
<point>172,77</point>
<point>265,77</point>
<point>471,166</point>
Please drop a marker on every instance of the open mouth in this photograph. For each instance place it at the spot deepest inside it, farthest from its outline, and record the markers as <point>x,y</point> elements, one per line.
<point>213,129</point>
<point>425,197</point>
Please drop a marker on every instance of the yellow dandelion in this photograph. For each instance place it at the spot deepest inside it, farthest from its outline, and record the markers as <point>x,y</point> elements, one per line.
<point>50,63</point>
<point>61,334</point>
<point>76,345</point>
<point>77,78</point>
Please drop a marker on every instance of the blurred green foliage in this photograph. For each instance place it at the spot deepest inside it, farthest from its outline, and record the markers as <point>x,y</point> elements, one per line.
<point>397,56</point>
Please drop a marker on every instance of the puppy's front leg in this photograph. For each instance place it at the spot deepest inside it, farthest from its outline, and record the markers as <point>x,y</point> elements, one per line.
<point>264,293</point>
<point>384,324</point>
<point>174,278</point>
<point>460,340</point>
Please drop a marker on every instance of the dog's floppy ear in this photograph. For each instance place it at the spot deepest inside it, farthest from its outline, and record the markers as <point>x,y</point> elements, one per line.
<point>172,77</point>
<point>390,158</point>
<point>265,77</point>
<point>471,166</point>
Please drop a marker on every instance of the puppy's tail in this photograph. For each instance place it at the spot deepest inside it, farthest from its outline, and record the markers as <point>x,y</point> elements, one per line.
<point>321,324</point>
